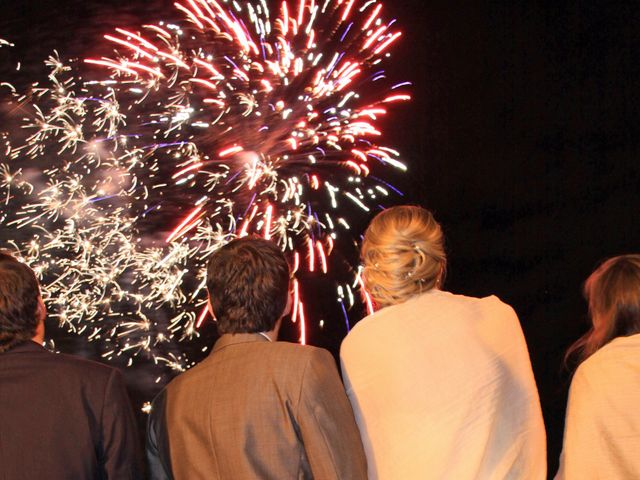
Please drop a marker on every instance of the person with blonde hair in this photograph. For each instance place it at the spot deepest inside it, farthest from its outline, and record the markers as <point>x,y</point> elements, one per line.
<point>441,384</point>
<point>602,426</point>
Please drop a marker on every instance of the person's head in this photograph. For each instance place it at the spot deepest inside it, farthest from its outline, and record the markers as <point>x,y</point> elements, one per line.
<point>21,309</point>
<point>613,294</point>
<point>403,255</point>
<point>248,285</point>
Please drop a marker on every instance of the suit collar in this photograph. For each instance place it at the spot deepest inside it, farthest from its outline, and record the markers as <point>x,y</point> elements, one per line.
<point>27,347</point>
<point>236,338</point>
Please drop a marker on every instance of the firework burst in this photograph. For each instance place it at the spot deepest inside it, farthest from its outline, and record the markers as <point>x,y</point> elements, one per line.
<point>234,120</point>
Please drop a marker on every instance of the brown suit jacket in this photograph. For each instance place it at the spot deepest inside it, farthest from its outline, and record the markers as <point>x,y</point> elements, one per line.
<point>256,409</point>
<point>62,417</point>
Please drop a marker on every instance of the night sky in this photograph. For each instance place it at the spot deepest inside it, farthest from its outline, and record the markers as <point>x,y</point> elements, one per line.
<point>522,138</point>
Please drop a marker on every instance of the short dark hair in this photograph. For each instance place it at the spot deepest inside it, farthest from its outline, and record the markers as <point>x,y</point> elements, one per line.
<point>19,294</point>
<point>248,282</point>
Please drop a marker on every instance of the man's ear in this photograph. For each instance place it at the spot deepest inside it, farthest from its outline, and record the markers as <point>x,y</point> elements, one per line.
<point>41,314</point>
<point>289,305</point>
<point>210,308</point>
<point>41,310</point>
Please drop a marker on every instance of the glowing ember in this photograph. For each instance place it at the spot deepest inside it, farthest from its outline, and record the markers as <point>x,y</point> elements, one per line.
<point>232,121</point>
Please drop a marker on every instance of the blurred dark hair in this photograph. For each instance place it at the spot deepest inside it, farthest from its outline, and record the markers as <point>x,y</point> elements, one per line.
<point>248,283</point>
<point>19,293</point>
<point>613,293</point>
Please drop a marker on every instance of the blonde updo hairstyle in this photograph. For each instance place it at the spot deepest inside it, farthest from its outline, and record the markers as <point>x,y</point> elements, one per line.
<point>403,255</point>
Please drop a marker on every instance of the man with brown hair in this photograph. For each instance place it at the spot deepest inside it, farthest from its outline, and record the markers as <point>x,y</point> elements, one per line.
<point>255,408</point>
<point>60,417</point>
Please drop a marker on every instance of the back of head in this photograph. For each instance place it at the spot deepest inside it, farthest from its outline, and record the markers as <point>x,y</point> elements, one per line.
<point>613,293</point>
<point>248,284</point>
<point>19,294</point>
<point>403,254</point>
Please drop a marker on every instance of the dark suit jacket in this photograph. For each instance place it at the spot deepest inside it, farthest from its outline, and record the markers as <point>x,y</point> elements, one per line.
<point>256,410</point>
<point>63,418</point>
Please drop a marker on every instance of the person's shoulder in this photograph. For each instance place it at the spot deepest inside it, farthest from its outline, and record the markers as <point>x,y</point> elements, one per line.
<point>620,347</point>
<point>193,374</point>
<point>380,324</point>
<point>377,322</point>
<point>297,368</point>
<point>495,307</point>
<point>88,369</point>
<point>614,358</point>
<point>441,300</point>
<point>297,350</point>
<point>296,357</point>
<point>361,330</point>
<point>490,302</point>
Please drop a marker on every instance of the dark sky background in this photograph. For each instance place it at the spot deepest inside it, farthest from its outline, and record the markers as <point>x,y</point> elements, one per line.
<point>522,138</point>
